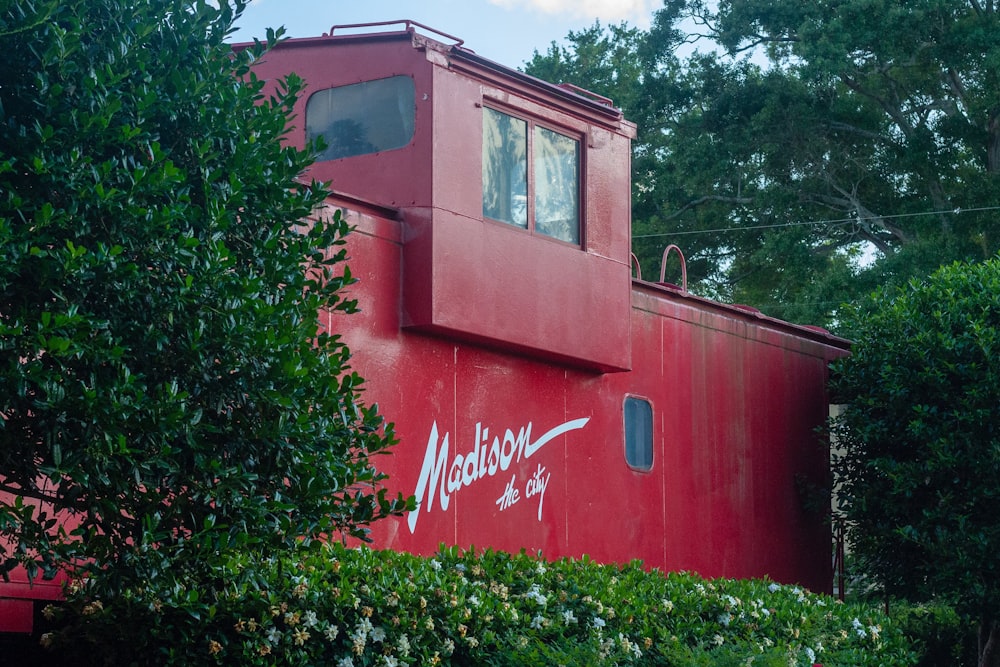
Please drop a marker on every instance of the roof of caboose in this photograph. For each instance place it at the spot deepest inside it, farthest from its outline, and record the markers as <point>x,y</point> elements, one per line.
<point>596,108</point>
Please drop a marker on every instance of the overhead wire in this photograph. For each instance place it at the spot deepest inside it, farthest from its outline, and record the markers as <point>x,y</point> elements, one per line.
<point>832,221</point>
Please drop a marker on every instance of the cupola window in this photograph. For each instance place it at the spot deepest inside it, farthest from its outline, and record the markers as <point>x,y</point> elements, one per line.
<point>548,202</point>
<point>362,118</point>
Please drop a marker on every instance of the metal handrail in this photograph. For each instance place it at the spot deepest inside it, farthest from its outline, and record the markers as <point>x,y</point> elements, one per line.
<point>409,28</point>
<point>635,264</point>
<point>601,99</point>
<point>684,271</point>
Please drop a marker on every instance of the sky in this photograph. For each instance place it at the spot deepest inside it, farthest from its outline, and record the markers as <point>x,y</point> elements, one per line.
<point>506,31</point>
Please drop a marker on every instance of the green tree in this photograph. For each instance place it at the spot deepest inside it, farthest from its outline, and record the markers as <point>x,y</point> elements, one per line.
<point>165,386</point>
<point>919,469</point>
<point>898,142</point>
<point>807,135</point>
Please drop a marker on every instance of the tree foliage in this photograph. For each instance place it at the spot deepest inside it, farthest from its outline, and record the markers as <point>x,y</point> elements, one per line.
<point>919,469</point>
<point>164,381</point>
<point>803,135</point>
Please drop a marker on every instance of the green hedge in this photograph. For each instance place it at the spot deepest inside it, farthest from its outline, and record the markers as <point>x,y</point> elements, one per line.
<point>329,605</point>
<point>938,634</point>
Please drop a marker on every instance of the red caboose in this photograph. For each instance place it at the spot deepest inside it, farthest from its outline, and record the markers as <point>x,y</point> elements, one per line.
<point>544,398</point>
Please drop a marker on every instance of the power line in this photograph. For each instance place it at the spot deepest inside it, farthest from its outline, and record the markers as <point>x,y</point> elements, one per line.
<point>833,221</point>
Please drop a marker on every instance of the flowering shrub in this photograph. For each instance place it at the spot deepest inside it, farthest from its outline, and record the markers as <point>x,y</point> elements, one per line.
<point>329,605</point>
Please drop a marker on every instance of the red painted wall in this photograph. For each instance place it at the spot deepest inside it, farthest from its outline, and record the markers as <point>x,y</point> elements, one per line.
<point>736,398</point>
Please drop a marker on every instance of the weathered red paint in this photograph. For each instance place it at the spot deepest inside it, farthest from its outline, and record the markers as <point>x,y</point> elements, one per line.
<point>736,397</point>
<point>473,331</point>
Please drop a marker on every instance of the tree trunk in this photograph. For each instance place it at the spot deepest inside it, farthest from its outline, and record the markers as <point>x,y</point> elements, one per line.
<point>988,631</point>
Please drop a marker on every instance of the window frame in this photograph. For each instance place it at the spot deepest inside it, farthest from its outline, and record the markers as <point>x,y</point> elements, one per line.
<point>638,467</point>
<point>576,135</point>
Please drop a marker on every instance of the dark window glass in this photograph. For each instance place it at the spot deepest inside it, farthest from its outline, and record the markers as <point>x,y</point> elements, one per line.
<point>638,433</point>
<point>362,118</point>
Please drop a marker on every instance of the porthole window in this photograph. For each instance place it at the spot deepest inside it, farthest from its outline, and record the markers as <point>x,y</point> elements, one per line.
<point>638,433</point>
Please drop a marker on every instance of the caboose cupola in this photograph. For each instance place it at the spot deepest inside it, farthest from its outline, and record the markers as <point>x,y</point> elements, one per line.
<point>513,194</point>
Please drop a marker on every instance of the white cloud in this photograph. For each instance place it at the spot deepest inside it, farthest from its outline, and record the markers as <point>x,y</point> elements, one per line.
<point>636,12</point>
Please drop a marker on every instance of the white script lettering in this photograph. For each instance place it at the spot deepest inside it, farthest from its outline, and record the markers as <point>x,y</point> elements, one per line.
<point>536,487</point>
<point>486,458</point>
<point>510,495</point>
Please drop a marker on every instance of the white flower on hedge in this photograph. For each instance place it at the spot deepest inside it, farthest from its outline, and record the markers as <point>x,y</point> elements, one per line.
<point>473,600</point>
<point>874,629</point>
<point>535,593</point>
<point>309,619</point>
<point>724,619</point>
<point>668,606</point>
<point>774,587</point>
<point>435,565</point>
<point>331,632</point>
<point>273,635</point>
<point>449,646</point>
<point>363,628</point>
<point>810,654</point>
<point>345,662</point>
<point>569,617</point>
<point>403,644</point>
<point>390,661</point>
<point>598,622</point>
<point>718,640</point>
<point>377,634</point>
<point>628,646</point>
<point>538,622</point>
<point>540,568</point>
